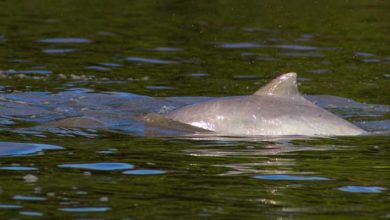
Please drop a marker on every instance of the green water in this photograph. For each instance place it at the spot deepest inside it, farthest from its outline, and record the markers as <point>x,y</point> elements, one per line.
<point>184,49</point>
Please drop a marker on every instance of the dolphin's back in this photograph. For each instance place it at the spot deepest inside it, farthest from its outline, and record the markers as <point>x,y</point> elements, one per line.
<point>264,115</point>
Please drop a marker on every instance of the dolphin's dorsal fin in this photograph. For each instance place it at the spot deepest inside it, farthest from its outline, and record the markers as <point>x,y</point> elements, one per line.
<point>283,86</point>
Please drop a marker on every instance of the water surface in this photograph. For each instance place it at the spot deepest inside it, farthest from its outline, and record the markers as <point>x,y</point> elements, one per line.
<point>77,79</point>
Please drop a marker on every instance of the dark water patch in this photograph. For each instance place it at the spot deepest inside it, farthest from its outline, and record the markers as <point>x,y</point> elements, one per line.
<point>265,58</point>
<point>58,51</point>
<point>31,213</point>
<point>240,45</point>
<point>258,29</point>
<point>17,168</point>
<point>69,40</point>
<point>258,57</point>
<point>144,172</point>
<point>246,77</point>
<point>99,166</point>
<point>19,149</point>
<point>99,68</point>
<point>151,61</point>
<point>29,198</point>
<point>85,209</point>
<point>289,177</point>
<point>20,61</point>
<point>362,189</point>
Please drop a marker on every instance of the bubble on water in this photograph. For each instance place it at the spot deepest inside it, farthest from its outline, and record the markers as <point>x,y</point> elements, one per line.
<point>362,189</point>
<point>104,199</point>
<point>29,178</point>
<point>289,177</point>
<point>144,172</point>
<point>99,166</point>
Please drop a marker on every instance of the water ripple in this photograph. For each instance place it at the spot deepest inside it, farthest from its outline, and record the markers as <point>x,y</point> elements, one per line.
<point>99,166</point>
<point>362,189</point>
<point>17,168</point>
<point>17,149</point>
<point>70,40</point>
<point>55,51</point>
<point>289,177</point>
<point>86,209</point>
<point>29,198</point>
<point>144,172</point>
<point>151,61</point>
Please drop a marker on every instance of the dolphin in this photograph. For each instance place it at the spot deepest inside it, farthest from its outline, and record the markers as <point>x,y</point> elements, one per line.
<point>276,109</point>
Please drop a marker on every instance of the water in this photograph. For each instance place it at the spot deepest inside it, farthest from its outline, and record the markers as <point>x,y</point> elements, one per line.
<point>77,79</point>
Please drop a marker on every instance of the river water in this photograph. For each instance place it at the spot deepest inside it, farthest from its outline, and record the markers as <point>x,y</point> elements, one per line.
<point>78,77</point>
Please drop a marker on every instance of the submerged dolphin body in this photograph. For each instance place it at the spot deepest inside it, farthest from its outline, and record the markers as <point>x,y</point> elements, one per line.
<point>275,109</point>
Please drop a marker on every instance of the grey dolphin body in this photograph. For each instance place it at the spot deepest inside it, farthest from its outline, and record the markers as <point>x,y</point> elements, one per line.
<point>275,109</point>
